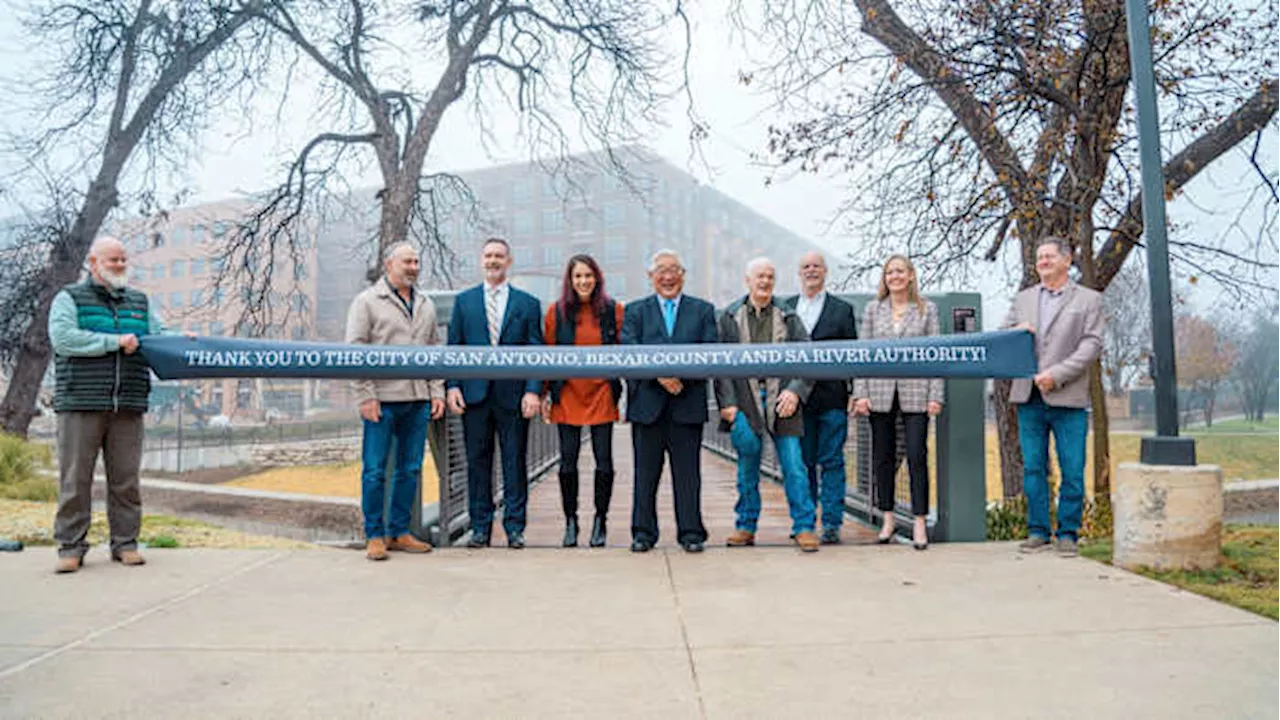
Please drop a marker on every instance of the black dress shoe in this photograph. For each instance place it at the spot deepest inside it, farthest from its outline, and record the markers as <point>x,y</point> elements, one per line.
<point>598,538</point>
<point>830,536</point>
<point>570,532</point>
<point>641,545</point>
<point>693,546</point>
<point>478,541</point>
<point>515,540</point>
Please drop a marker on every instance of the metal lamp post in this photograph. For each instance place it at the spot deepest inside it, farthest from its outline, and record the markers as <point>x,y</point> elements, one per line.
<point>1165,448</point>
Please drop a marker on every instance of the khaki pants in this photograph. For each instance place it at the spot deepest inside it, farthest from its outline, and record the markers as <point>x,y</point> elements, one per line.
<point>80,436</point>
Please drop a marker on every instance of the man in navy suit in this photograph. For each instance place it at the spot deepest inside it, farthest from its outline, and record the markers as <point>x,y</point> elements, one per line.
<point>826,412</point>
<point>494,313</point>
<point>667,414</point>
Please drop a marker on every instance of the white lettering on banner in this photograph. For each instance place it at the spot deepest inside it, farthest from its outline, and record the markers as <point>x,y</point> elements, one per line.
<point>766,358</point>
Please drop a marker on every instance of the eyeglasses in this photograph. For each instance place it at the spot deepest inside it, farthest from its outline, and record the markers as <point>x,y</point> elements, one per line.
<point>666,270</point>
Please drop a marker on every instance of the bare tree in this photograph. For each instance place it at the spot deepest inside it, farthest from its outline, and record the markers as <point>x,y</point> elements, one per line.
<point>585,67</point>
<point>1127,342</point>
<point>143,75</point>
<point>1258,365</point>
<point>963,125</point>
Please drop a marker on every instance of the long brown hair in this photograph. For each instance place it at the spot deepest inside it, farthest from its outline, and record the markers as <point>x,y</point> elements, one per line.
<point>569,300</point>
<point>913,290</point>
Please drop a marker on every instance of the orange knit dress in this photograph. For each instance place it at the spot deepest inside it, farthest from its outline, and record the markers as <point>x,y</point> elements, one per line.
<point>583,401</point>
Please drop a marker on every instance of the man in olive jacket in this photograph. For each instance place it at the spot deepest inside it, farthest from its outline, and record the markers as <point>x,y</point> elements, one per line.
<point>101,396</point>
<point>751,408</point>
<point>393,312</point>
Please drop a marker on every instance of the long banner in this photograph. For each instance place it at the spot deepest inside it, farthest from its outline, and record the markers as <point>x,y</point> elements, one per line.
<point>999,354</point>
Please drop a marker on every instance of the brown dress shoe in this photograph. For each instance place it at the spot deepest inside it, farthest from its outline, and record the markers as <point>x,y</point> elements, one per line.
<point>68,564</point>
<point>376,549</point>
<point>408,543</point>
<point>129,557</point>
<point>808,541</point>
<point>740,538</point>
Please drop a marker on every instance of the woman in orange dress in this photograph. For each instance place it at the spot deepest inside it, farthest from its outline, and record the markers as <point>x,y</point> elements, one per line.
<point>584,315</point>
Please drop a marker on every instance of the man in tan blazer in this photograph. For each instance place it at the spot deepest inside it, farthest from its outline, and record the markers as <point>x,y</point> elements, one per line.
<point>1067,321</point>
<point>393,312</point>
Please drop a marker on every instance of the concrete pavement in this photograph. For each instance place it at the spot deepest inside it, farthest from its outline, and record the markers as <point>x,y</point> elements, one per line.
<point>855,631</point>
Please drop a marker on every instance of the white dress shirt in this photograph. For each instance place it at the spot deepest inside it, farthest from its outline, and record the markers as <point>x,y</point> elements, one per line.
<point>810,309</point>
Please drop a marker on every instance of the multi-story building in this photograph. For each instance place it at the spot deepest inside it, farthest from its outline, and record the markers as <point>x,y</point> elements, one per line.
<point>176,257</point>
<point>619,212</point>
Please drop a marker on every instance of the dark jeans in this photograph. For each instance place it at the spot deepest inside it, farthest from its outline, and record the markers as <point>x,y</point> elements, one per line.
<point>823,447</point>
<point>602,448</point>
<point>480,424</point>
<point>653,443</point>
<point>884,442</point>
<point>1070,428</point>
<point>406,424</point>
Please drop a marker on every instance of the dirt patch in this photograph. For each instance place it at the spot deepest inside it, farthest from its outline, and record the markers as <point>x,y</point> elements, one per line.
<point>208,476</point>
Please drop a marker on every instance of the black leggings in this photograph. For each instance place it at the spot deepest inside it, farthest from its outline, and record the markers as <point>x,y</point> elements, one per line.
<point>884,448</point>
<point>602,448</point>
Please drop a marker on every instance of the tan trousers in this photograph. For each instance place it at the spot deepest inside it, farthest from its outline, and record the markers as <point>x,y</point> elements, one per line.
<point>80,436</point>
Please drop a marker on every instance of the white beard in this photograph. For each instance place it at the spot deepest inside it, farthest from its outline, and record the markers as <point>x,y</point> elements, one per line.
<point>115,281</point>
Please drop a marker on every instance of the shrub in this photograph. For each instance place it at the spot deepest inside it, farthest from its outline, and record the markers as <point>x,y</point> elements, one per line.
<point>21,463</point>
<point>161,541</point>
<point>1007,519</point>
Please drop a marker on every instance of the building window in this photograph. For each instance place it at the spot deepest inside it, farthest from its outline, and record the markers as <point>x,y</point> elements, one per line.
<point>618,286</point>
<point>299,333</point>
<point>218,294</point>
<point>220,229</point>
<point>198,233</point>
<point>523,254</point>
<point>157,240</point>
<point>522,223</point>
<point>552,221</point>
<point>178,235</point>
<point>178,268</point>
<point>522,191</point>
<point>299,272</point>
<point>139,274</point>
<point>197,267</point>
<point>615,214</point>
<point>551,255</point>
<point>615,250</point>
<point>157,301</point>
<point>197,298</point>
<point>548,186</point>
<point>216,328</point>
<point>175,300</point>
<point>298,303</point>
<point>218,264</point>
<point>157,272</point>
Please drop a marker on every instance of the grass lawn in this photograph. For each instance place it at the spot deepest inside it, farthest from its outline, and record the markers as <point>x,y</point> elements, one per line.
<point>1246,577</point>
<point>1247,457</point>
<point>339,480</point>
<point>32,523</point>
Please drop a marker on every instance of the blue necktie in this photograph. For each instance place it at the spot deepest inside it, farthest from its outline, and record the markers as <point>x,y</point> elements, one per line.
<point>669,315</point>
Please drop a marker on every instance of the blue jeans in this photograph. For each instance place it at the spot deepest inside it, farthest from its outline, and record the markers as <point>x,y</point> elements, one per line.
<point>794,480</point>
<point>823,446</point>
<point>1070,427</point>
<point>406,424</point>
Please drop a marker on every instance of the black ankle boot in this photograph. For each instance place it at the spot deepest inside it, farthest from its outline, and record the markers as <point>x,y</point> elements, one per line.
<point>571,531</point>
<point>598,532</point>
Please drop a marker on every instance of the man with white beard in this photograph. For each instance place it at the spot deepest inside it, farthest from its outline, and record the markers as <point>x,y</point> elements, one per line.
<point>100,398</point>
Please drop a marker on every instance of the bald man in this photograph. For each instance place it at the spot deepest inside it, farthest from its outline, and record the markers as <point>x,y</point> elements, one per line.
<point>100,398</point>
<point>393,312</point>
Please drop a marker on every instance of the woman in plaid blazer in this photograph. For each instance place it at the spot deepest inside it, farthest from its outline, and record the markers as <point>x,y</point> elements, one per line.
<point>899,311</point>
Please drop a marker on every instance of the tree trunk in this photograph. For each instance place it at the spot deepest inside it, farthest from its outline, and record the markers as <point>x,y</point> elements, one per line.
<point>1101,434</point>
<point>1007,434</point>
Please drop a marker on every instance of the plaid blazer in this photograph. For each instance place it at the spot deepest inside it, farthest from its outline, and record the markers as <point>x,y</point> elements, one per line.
<point>914,394</point>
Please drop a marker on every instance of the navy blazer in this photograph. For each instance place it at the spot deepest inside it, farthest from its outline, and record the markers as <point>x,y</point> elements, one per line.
<point>642,325</point>
<point>521,325</point>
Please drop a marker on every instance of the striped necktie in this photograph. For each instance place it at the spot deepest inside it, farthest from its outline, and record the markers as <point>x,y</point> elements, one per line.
<point>493,315</point>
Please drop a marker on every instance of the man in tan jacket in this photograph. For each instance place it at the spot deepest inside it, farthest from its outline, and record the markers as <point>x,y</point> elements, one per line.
<point>393,312</point>
<point>1068,324</point>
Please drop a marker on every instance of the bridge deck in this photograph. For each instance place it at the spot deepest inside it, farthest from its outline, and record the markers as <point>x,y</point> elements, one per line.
<point>719,493</point>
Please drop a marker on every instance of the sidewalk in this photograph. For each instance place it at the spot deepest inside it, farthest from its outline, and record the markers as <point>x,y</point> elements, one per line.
<point>854,631</point>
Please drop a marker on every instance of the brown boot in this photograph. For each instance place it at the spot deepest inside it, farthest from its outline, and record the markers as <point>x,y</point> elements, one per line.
<point>740,538</point>
<point>808,541</point>
<point>129,557</point>
<point>408,543</point>
<point>68,564</point>
<point>376,549</point>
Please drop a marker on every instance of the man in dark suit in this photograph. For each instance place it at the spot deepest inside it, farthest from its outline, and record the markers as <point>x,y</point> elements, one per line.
<point>667,414</point>
<point>826,412</point>
<point>494,313</point>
